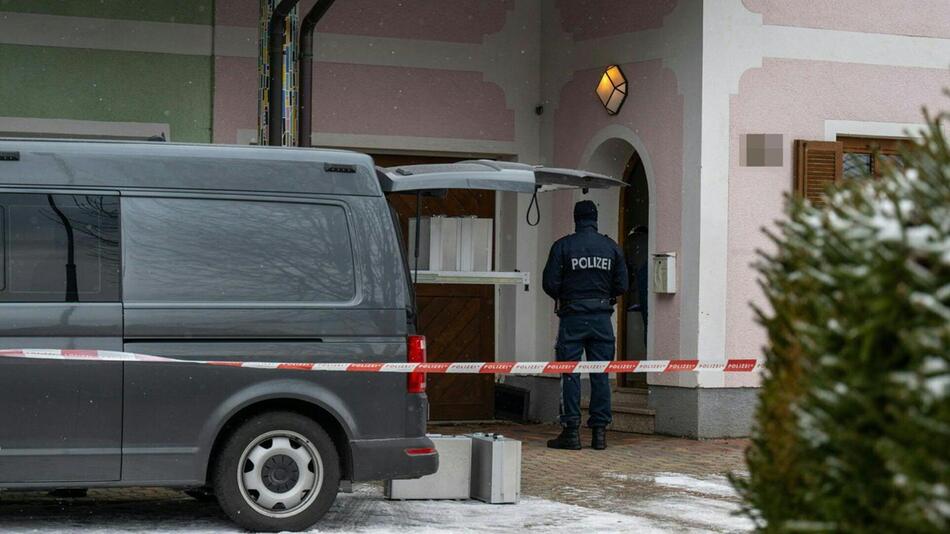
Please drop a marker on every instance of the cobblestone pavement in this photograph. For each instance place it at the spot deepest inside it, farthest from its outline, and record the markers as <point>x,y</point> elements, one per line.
<point>672,484</point>
<point>668,479</point>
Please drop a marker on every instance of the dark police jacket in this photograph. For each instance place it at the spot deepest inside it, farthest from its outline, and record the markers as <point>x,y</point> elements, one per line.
<point>585,271</point>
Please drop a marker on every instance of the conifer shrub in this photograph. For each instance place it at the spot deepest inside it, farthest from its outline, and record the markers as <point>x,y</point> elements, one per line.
<point>852,432</point>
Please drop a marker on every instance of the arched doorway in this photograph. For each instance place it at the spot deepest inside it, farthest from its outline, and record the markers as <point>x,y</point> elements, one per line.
<point>617,151</point>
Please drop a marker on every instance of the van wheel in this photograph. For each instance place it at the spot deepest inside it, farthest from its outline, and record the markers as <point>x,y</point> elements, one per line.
<point>278,471</point>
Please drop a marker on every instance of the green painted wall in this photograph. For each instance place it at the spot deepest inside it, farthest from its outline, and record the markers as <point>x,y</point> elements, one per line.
<point>182,11</point>
<point>82,84</point>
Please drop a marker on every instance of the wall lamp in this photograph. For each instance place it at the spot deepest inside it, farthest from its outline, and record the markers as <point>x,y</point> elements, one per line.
<point>612,89</point>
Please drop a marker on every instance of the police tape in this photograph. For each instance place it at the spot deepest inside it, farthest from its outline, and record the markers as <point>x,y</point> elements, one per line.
<point>498,368</point>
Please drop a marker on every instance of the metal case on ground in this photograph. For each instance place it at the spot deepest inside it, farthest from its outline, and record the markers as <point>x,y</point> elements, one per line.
<point>451,481</point>
<point>496,468</point>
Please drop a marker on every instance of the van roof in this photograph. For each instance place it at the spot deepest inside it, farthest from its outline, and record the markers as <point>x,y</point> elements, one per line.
<point>161,165</point>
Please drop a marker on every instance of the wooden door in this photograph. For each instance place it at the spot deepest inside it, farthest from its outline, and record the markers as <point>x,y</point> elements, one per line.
<point>457,320</point>
<point>459,324</point>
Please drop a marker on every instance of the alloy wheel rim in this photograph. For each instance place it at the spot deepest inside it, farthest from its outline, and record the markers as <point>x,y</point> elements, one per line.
<point>280,473</point>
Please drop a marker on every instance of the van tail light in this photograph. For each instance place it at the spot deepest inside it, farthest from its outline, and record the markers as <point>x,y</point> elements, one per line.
<point>416,382</point>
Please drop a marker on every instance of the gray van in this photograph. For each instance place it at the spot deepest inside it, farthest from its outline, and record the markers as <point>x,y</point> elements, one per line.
<point>213,252</point>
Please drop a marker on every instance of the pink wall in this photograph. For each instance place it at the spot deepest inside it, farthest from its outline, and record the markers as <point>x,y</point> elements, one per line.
<point>794,98</point>
<point>461,21</point>
<point>466,21</point>
<point>364,99</point>
<point>928,18</point>
<point>374,100</point>
<point>654,112</point>
<point>235,97</point>
<point>590,19</point>
<point>237,12</point>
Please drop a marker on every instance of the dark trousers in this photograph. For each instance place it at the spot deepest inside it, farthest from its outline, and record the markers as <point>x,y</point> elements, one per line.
<point>592,334</point>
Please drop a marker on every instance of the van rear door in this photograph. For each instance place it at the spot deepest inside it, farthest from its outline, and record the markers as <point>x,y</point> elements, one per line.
<point>488,174</point>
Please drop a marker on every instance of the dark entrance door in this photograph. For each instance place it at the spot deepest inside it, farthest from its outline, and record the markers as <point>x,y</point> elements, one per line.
<point>457,320</point>
<point>634,239</point>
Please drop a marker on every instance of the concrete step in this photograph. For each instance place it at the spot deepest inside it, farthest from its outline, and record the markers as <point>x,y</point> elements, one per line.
<point>636,420</point>
<point>630,411</point>
<point>632,397</point>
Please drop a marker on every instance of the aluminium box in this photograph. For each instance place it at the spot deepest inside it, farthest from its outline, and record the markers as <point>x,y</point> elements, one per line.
<point>451,481</point>
<point>483,242</point>
<point>444,243</point>
<point>496,468</point>
<point>475,244</point>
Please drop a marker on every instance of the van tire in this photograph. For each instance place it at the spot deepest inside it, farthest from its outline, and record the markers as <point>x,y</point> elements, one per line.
<point>271,449</point>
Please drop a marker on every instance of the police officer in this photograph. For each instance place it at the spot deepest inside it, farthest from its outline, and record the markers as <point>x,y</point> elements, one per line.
<point>585,273</point>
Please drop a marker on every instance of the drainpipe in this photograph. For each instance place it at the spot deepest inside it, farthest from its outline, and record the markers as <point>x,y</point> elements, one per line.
<point>275,44</point>
<point>305,69</point>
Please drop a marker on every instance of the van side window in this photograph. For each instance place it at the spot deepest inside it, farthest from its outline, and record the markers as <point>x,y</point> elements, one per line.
<point>59,248</point>
<point>208,250</point>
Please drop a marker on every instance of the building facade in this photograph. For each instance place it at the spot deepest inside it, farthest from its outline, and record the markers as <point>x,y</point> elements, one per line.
<point>720,95</point>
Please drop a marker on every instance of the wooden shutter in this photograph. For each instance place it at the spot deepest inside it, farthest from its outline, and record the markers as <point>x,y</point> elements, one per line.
<point>818,165</point>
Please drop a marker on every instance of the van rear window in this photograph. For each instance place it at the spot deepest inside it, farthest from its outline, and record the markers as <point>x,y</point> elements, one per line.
<point>59,248</point>
<point>209,250</point>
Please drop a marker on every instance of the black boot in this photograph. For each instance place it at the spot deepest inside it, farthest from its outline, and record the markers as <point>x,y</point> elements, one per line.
<point>570,439</point>
<point>598,440</point>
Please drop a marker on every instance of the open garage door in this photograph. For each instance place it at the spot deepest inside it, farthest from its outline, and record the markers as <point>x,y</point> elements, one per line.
<point>456,309</point>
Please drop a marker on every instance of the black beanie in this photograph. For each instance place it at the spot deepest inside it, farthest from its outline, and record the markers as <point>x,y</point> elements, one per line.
<point>585,210</point>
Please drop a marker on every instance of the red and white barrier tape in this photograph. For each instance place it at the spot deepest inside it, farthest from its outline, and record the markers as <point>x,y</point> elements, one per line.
<point>498,368</point>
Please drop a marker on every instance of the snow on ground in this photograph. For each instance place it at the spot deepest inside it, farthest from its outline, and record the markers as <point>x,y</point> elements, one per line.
<point>678,502</point>
<point>704,506</point>
<point>712,485</point>
<point>363,511</point>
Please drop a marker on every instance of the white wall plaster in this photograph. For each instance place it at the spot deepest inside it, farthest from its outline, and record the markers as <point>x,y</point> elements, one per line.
<point>104,34</point>
<point>416,145</point>
<point>69,128</point>
<point>834,128</point>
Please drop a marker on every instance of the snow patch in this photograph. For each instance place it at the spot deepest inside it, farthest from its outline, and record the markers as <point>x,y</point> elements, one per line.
<point>712,485</point>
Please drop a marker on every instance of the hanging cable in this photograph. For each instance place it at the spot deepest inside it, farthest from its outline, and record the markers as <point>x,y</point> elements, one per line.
<point>415,280</point>
<point>537,210</point>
